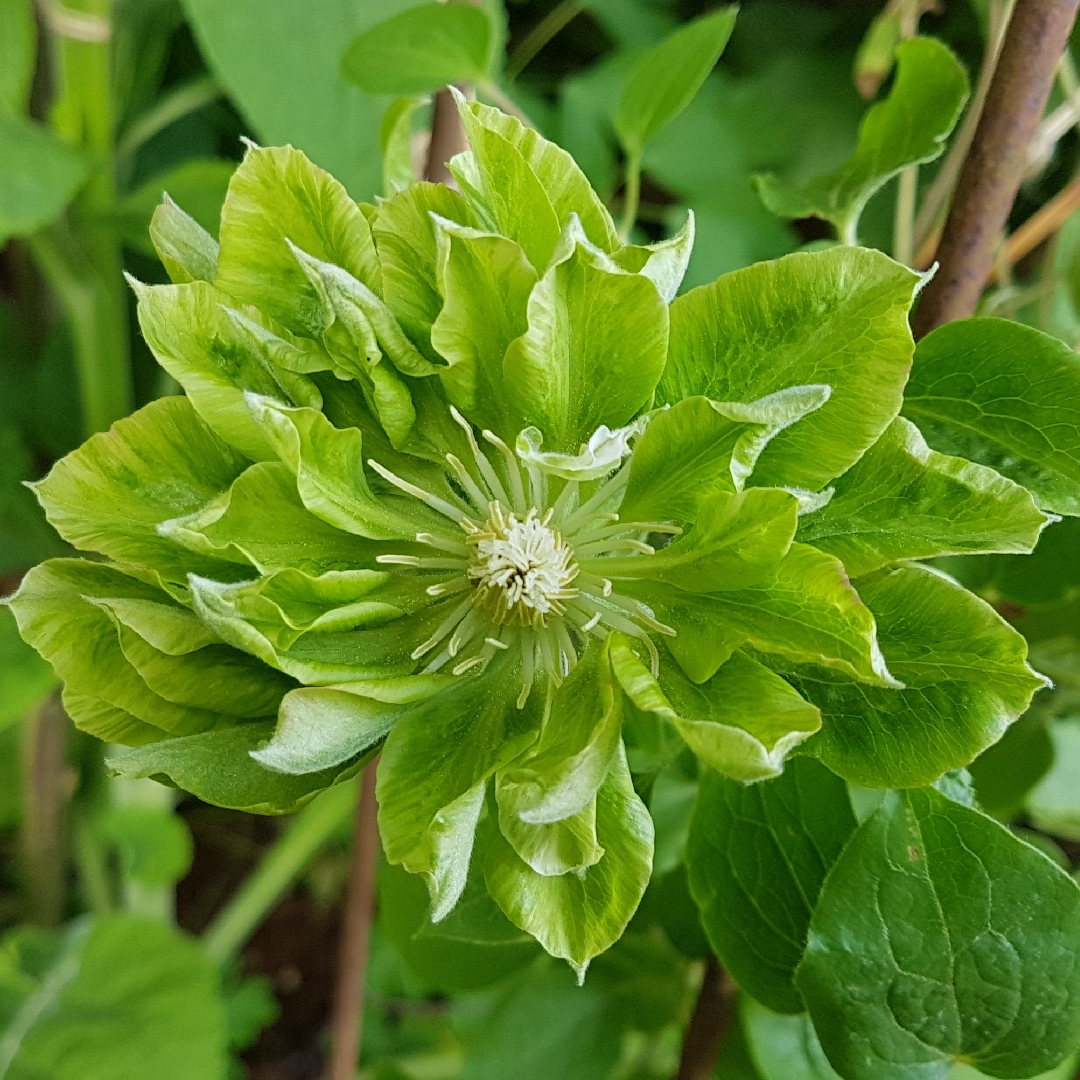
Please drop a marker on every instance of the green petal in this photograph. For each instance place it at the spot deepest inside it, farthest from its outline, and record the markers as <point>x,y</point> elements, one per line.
<point>698,447</point>
<point>578,916</point>
<point>903,500</point>
<point>739,541</point>
<point>108,495</point>
<point>277,195</point>
<point>965,680</point>
<point>594,349</point>
<point>939,936</point>
<point>485,281</point>
<point>836,318</point>
<point>551,848</point>
<point>663,263</point>
<point>187,251</point>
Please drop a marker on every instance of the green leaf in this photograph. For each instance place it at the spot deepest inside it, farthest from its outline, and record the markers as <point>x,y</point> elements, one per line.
<point>186,250</point>
<point>667,77</point>
<point>25,679</point>
<point>41,173</point>
<point>199,186</point>
<point>18,55</point>
<point>395,136</point>
<point>155,843</point>
<point>972,394</point>
<point>699,446</point>
<point>1053,806</point>
<point>276,197</point>
<point>108,495</point>
<point>757,857</point>
<point>738,542</point>
<point>1005,774</point>
<point>903,500</point>
<point>217,767</point>
<point>964,675</point>
<point>485,281</point>
<point>909,127</point>
<point>421,50</point>
<point>836,318</point>
<point>567,189</point>
<point>577,916</point>
<point>594,349</point>
<point>939,935</point>
<point>125,997</point>
<point>783,1047</point>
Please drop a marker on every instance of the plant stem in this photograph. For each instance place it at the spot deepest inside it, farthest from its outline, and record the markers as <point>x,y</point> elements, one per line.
<point>1046,220</point>
<point>908,183</point>
<point>90,284</point>
<point>632,197</point>
<point>994,167</point>
<point>290,853</point>
<point>347,1023</point>
<point>931,215</point>
<point>551,24</point>
<point>713,1015</point>
<point>47,786</point>
<point>174,105</point>
<point>151,901</point>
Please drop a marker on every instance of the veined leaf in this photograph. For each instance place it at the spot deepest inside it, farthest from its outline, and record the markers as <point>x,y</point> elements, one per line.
<point>186,250</point>
<point>910,126</point>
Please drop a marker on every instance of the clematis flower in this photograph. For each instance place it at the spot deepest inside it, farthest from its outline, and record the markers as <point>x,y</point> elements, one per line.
<point>457,479</point>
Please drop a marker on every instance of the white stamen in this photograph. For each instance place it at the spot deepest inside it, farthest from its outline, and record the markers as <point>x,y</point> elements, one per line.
<point>441,505</point>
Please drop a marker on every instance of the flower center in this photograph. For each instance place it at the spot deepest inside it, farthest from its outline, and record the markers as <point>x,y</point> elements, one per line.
<point>521,567</point>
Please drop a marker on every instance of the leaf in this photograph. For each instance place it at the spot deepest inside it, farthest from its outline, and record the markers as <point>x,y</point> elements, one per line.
<point>1006,773</point>
<point>757,857</point>
<point>1053,805</point>
<point>217,767</point>
<point>966,948</point>
<point>836,318</point>
<point>25,678</point>
<point>41,173</point>
<point>783,1047</point>
<point>903,500</point>
<point>667,77</point>
<point>738,542</point>
<point>199,186</point>
<point>421,50</point>
<point>972,395</point>
<point>276,197</point>
<point>567,189</point>
<point>699,446</point>
<point>124,995</point>
<point>663,263</point>
<point>108,497</point>
<point>594,349</point>
<point>155,843</point>
<point>485,281</point>
<point>18,55</point>
<point>186,250</point>
<point>577,916</point>
<point>395,137</point>
<point>964,675</point>
<point>909,127</point>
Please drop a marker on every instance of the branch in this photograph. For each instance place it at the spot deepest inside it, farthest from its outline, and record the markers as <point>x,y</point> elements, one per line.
<point>991,176</point>
<point>347,1023</point>
<point>713,1015</point>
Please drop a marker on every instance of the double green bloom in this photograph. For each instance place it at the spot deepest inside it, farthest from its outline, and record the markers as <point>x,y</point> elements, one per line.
<point>458,478</point>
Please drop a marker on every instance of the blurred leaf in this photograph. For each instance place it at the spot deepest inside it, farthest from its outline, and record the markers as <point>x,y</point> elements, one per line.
<point>1054,804</point>
<point>155,843</point>
<point>1006,772</point>
<point>25,679</point>
<point>669,903</point>
<point>671,804</point>
<point>39,173</point>
<point>11,793</point>
<point>395,136</point>
<point>668,76</point>
<point>25,537</point>
<point>124,999</point>
<point>257,47</point>
<point>250,1006</point>
<point>910,126</point>
<point>634,24</point>
<point>421,50</point>
<point>877,53</point>
<point>1048,575</point>
<point>197,187</point>
<point>18,55</point>
<point>783,1047</point>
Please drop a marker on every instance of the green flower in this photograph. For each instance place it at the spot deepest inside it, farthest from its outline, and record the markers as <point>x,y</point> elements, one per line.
<point>457,478</point>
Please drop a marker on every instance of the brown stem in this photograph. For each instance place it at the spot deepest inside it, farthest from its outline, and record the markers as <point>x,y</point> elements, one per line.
<point>347,1021</point>
<point>992,172</point>
<point>48,783</point>
<point>447,139</point>
<point>713,1015</point>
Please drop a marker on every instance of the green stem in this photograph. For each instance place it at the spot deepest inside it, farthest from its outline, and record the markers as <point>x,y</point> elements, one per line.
<point>632,196</point>
<point>181,101</point>
<point>93,868</point>
<point>292,851</point>
<point>540,35</point>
